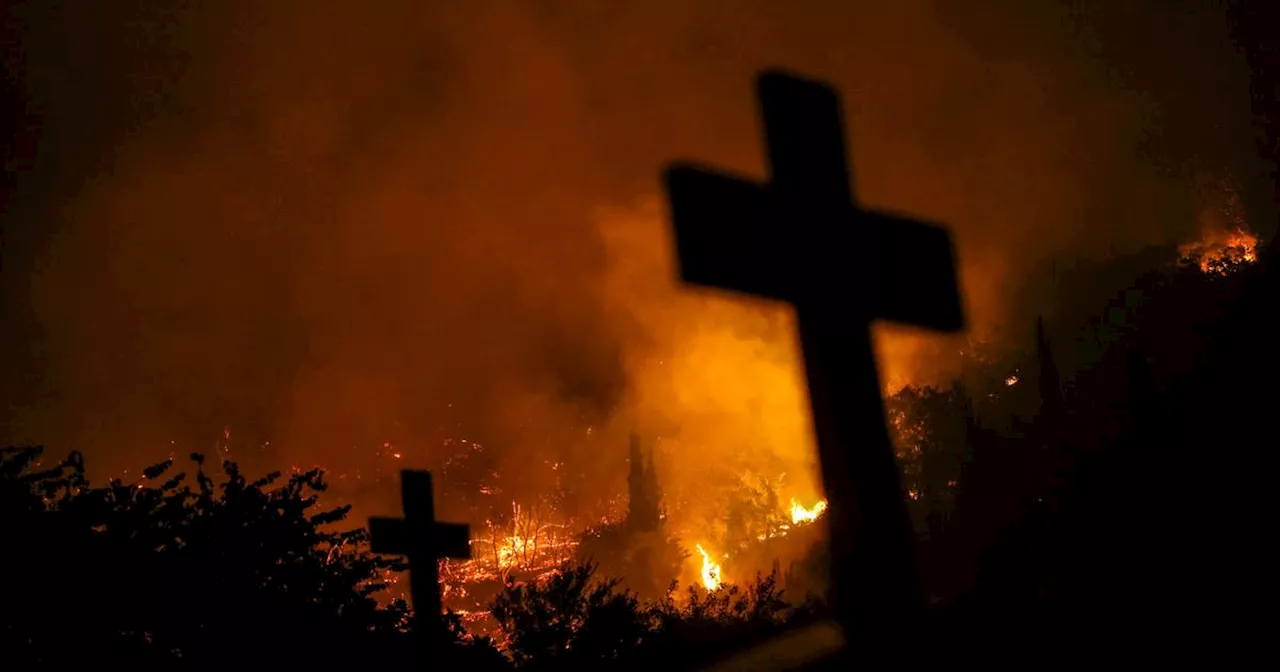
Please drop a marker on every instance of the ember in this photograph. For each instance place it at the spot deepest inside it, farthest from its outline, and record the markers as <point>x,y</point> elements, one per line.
<point>525,545</point>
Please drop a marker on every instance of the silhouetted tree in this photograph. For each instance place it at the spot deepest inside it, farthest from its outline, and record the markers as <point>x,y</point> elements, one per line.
<point>1048,379</point>
<point>569,619</point>
<point>640,551</point>
<point>222,573</point>
<point>576,619</point>
<point>644,505</point>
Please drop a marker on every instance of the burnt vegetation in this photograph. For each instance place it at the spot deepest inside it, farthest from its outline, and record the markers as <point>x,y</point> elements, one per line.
<point>1110,473</point>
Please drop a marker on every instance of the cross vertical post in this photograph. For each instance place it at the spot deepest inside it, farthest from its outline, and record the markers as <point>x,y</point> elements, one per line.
<point>801,239</point>
<point>423,541</point>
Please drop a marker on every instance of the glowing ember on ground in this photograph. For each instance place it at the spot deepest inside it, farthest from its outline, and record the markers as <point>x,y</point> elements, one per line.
<point>526,545</point>
<point>711,574</point>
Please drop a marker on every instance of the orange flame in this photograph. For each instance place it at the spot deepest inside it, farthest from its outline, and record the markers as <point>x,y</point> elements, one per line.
<point>1222,253</point>
<point>800,514</point>
<point>711,573</point>
<point>1226,244</point>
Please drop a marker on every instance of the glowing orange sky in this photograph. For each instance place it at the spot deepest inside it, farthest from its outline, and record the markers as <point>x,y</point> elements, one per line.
<point>335,225</point>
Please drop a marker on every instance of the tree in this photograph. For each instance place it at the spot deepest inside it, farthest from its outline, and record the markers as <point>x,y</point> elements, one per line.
<point>569,619</point>
<point>640,551</point>
<point>644,504</point>
<point>577,619</point>
<point>156,572</point>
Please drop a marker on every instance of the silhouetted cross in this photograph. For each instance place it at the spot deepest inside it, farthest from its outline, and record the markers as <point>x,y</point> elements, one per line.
<point>801,239</point>
<point>424,541</point>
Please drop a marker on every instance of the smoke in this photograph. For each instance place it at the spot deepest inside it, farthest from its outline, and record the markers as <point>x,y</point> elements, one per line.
<point>332,226</point>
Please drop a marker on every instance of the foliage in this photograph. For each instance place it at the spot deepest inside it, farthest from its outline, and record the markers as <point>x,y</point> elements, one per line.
<point>1141,493</point>
<point>930,430</point>
<point>644,501</point>
<point>641,551</point>
<point>162,571</point>
<point>569,618</point>
<point>604,546</point>
<point>576,618</point>
<point>752,510</point>
<point>729,612</point>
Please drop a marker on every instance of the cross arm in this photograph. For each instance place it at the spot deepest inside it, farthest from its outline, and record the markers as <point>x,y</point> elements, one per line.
<point>387,536</point>
<point>724,233</point>
<point>453,540</point>
<point>392,536</point>
<point>914,264</point>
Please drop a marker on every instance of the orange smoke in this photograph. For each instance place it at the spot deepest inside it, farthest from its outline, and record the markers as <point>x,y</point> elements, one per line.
<point>332,229</point>
<point>721,376</point>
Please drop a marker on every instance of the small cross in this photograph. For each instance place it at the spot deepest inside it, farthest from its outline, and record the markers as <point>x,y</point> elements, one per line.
<point>802,239</point>
<point>424,541</point>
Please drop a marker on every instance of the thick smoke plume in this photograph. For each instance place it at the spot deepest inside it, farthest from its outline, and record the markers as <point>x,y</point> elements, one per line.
<point>334,225</point>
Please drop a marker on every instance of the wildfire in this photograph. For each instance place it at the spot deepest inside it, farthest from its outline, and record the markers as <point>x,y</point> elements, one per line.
<point>1222,253</point>
<point>525,545</point>
<point>800,514</point>
<point>711,574</point>
<point>1227,243</point>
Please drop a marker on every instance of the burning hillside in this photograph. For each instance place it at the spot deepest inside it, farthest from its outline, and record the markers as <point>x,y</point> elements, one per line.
<point>519,542</point>
<point>735,529</point>
<point>1226,242</point>
<point>1222,252</point>
<point>311,247</point>
<point>729,469</point>
<point>394,261</point>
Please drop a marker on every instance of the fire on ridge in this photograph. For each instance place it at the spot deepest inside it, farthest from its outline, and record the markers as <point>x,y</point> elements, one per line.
<point>1221,253</point>
<point>529,540</point>
<point>1226,243</point>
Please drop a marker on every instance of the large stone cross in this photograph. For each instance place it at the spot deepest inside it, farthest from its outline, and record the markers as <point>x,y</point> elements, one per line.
<point>424,541</point>
<point>802,239</point>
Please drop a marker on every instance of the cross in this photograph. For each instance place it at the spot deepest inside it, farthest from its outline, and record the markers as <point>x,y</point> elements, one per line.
<point>424,541</point>
<point>802,239</point>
